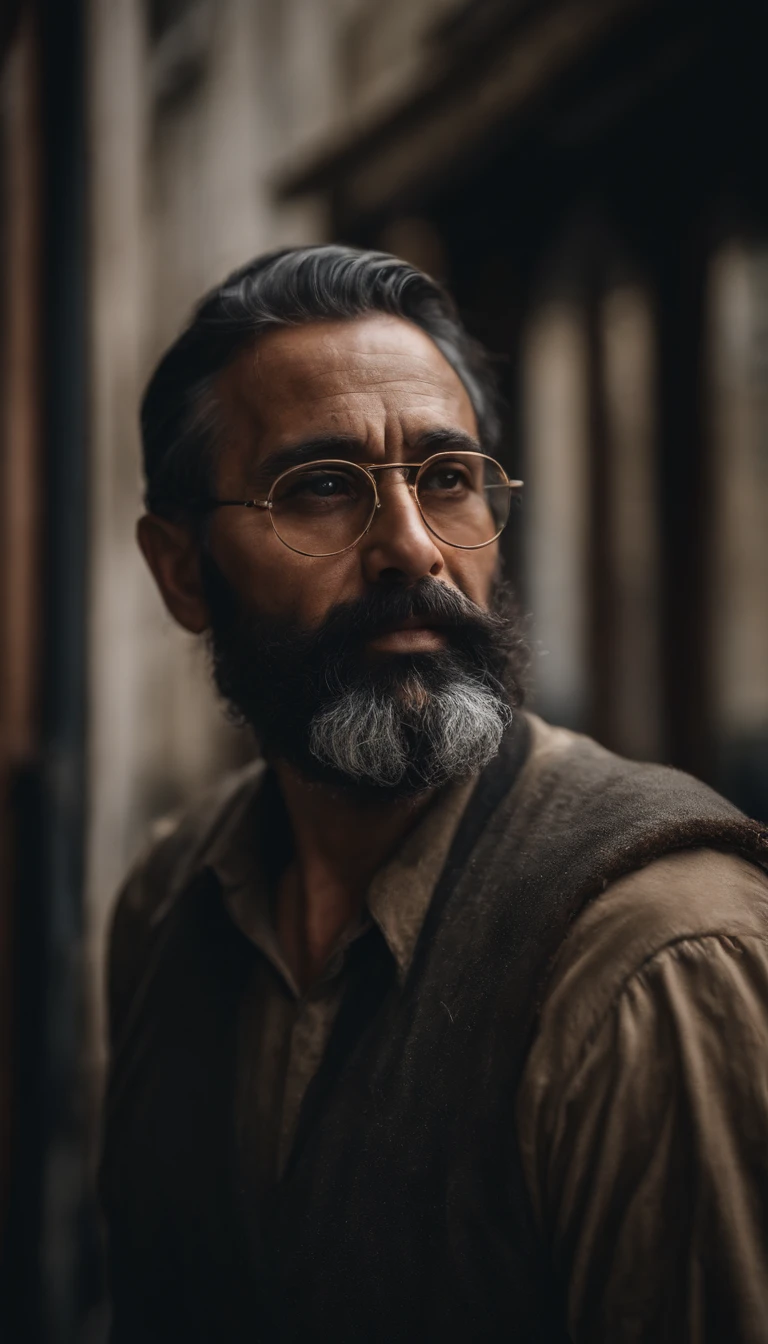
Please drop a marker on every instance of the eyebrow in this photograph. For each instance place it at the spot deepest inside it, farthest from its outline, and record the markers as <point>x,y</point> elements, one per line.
<point>348,446</point>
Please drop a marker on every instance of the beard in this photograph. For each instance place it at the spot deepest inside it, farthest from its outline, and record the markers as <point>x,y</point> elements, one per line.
<point>393,725</point>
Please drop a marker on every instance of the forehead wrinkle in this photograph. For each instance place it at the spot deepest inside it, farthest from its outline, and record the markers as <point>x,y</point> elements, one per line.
<point>409,365</point>
<point>410,376</point>
<point>328,354</point>
<point>257,373</point>
<point>370,395</point>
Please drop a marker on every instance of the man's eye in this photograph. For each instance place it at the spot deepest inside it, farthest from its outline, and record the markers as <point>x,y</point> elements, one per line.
<point>322,485</point>
<point>445,478</point>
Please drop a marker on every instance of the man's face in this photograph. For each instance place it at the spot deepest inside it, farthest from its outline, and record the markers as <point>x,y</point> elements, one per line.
<point>379,385</point>
<point>381,666</point>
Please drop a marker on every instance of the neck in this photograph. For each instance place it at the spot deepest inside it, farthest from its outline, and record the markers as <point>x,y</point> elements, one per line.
<point>340,843</point>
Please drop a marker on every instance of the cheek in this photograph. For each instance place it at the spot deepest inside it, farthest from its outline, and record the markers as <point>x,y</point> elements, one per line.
<point>276,581</point>
<point>474,572</point>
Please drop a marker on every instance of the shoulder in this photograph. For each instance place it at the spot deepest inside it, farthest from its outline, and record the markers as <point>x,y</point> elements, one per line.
<point>686,877</point>
<point>184,842</point>
<point>687,896</point>
<point>568,767</point>
<point>586,813</point>
<point>179,846</point>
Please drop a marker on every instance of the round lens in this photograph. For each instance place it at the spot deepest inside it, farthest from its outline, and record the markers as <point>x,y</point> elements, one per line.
<point>464,498</point>
<point>323,508</point>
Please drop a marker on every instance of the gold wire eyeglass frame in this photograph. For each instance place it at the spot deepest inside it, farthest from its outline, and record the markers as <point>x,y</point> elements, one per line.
<point>408,467</point>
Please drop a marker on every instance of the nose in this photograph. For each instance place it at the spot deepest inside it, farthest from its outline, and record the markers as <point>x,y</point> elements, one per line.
<point>398,547</point>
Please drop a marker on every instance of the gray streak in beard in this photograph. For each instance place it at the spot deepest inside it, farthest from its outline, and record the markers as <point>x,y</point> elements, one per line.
<point>368,734</point>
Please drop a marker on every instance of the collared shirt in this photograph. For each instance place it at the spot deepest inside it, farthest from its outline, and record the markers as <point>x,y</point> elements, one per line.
<point>642,1117</point>
<point>283,1032</point>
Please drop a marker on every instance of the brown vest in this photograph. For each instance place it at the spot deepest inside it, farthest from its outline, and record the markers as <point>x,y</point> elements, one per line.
<point>402,1215</point>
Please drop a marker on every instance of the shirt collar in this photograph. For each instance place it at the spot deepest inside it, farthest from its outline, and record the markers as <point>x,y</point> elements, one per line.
<point>400,892</point>
<point>398,896</point>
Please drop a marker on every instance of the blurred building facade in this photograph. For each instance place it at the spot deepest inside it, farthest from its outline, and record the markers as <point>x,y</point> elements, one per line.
<point>586,177</point>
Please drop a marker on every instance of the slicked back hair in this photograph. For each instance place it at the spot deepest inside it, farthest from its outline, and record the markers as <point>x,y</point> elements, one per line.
<point>280,289</point>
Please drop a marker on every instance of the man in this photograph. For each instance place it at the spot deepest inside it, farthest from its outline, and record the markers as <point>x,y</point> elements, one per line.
<point>439,1023</point>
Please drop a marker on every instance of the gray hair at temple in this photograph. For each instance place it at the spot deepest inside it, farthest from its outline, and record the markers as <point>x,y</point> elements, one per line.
<point>286,288</point>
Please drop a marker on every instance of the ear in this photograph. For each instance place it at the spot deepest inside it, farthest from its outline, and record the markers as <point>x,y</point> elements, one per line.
<point>172,552</point>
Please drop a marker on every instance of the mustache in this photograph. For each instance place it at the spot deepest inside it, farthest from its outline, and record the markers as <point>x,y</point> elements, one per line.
<point>352,624</point>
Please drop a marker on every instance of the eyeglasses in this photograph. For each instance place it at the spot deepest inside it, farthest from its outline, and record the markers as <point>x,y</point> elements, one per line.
<point>325,508</point>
